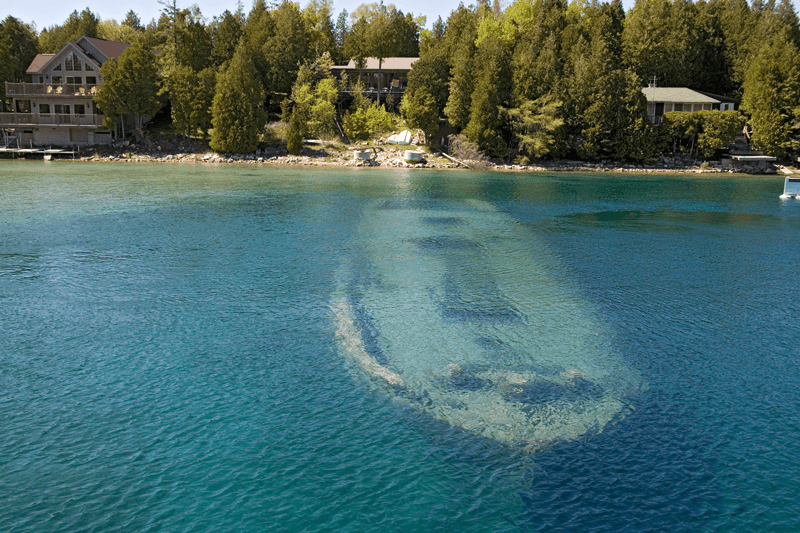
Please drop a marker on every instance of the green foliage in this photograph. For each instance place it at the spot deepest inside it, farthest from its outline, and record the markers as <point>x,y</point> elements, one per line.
<point>491,91</point>
<point>131,85</point>
<point>616,122</point>
<point>53,39</point>
<point>191,94</point>
<point>287,49</point>
<point>431,72</point>
<point>225,34</point>
<point>421,111</point>
<point>537,128</point>
<point>17,48</point>
<point>363,124</point>
<point>771,94</point>
<point>708,130</point>
<point>238,113</point>
<point>311,109</point>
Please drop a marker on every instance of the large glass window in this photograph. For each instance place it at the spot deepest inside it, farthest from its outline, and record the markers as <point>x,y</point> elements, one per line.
<point>77,80</point>
<point>44,109</point>
<point>61,109</point>
<point>72,62</point>
<point>80,109</point>
<point>91,80</point>
<point>57,67</point>
<point>57,80</point>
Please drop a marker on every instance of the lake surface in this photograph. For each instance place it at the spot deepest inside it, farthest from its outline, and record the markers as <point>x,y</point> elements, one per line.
<point>193,348</point>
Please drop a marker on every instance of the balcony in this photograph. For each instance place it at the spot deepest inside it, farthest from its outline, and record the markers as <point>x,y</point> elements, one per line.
<point>50,89</point>
<point>35,119</point>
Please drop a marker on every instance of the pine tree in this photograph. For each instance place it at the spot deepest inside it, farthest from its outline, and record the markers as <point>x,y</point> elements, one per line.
<point>238,106</point>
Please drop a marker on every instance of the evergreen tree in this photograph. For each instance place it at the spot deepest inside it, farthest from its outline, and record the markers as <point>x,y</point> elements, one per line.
<point>131,86</point>
<point>771,93</point>
<point>53,39</point>
<point>421,111</point>
<point>225,34</point>
<point>17,48</point>
<point>191,94</point>
<point>237,110</point>
<point>459,100</point>
<point>287,49</point>
<point>492,90</point>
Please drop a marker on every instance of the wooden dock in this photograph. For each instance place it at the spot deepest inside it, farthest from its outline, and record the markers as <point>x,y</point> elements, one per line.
<point>46,153</point>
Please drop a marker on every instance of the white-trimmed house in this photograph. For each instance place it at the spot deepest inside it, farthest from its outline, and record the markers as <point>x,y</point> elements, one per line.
<point>56,108</point>
<point>661,100</point>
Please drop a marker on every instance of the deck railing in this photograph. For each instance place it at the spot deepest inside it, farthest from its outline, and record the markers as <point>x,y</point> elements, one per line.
<point>34,119</point>
<point>50,89</point>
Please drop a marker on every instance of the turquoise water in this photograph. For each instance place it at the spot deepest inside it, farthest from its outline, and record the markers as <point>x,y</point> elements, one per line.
<point>217,349</point>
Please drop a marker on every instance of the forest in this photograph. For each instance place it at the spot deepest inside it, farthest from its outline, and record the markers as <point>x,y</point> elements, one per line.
<point>537,79</point>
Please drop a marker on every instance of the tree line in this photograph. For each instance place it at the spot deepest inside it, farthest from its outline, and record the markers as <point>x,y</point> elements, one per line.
<point>539,79</point>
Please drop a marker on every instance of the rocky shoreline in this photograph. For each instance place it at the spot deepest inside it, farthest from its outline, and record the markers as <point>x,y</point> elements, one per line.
<point>391,156</point>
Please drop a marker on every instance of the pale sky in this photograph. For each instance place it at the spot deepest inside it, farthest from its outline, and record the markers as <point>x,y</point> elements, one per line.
<point>45,13</point>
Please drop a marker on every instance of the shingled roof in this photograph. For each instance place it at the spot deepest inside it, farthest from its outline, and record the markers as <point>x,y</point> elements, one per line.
<point>38,62</point>
<point>109,48</point>
<point>677,94</point>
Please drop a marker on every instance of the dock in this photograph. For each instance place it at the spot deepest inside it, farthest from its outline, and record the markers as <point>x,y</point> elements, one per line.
<point>46,153</point>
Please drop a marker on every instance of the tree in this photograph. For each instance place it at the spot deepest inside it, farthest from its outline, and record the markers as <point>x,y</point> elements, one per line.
<point>132,21</point>
<point>421,111</point>
<point>53,39</point>
<point>492,90</point>
<point>131,86</point>
<point>238,106</point>
<point>110,30</point>
<point>312,103</point>
<point>537,128</point>
<point>771,92</point>
<point>17,48</point>
<point>225,34</point>
<point>191,95</point>
<point>287,49</point>
<point>322,32</point>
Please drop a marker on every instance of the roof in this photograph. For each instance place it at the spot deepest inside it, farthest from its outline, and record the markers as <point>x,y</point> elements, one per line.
<point>109,48</point>
<point>677,94</point>
<point>38,62</point>
<point>389,63</point>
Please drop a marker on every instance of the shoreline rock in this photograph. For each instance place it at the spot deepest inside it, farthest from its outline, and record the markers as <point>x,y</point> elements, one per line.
<point>386,157</point>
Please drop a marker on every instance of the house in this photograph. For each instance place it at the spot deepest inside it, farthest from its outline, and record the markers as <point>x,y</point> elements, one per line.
<point>661,100</point>
<point>392,76</point>
<point>56,108</point>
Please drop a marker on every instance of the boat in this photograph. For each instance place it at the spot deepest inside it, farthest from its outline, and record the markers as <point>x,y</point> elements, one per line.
<point>461,313</point>
<point>791,188</point>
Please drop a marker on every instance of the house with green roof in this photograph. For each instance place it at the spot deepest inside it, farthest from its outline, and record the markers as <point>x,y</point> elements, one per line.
<point>661,100</point>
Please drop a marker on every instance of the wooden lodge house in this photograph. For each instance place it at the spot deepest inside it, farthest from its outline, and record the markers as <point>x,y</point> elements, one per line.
<point>56,107</point>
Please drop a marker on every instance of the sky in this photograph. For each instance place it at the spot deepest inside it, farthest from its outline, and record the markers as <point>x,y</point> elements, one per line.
<point>45,13</point>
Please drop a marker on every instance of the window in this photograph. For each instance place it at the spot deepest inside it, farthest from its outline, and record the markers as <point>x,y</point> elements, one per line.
<point>87,66</point>
<point>44,109</point>
<point>91,80</point>
<point>80,109</point>
<point>57,67</point>
<point>61,109</point>
<point>72,62</point>
<point>41,79</point>
<point>77,80</point>
<point>57,80</point>
<point>678,107</point>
